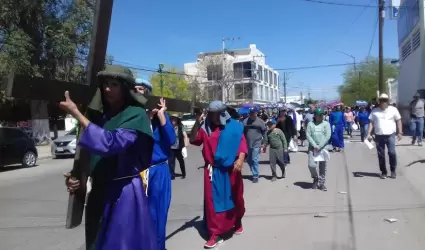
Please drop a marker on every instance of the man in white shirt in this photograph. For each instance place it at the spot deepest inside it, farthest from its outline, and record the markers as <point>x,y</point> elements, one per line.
<point>385,120</point>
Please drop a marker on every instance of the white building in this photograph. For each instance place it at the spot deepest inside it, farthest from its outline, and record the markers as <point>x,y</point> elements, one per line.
<point>392,89</point>
<point>411,41</point>
<point>235,76</point>
<point>294,99</point>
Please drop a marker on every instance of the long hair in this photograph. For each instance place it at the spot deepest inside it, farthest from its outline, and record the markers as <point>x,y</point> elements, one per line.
<point>128,100</point>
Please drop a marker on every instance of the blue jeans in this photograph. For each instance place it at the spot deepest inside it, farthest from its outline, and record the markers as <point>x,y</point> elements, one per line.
<point>417,128</point>
<point>381,142</point>
<point>363,131</point>
<point>349,128</point>
<point>254,160</point>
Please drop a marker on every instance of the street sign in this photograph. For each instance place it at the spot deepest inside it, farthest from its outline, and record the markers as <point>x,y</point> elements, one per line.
<point>395,9</point>
<point>394,12</point>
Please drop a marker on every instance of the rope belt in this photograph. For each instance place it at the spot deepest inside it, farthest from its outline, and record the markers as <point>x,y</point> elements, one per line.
<point>144,175</point>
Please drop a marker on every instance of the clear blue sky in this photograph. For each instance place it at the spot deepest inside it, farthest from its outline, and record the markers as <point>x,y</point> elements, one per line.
<point>292,33</point>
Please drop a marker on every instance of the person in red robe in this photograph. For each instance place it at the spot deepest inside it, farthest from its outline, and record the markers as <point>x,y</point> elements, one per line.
<point>224,153</point>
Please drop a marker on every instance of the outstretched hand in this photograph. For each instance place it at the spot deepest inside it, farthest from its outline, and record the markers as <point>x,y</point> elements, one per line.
<point>162,105</point>
<point>69,106</point>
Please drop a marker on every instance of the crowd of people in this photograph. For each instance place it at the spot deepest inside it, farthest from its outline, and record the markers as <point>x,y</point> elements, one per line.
<point>134,152</point>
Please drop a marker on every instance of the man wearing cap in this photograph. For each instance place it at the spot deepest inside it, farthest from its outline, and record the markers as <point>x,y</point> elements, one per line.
<point>417,113</point>
<point>385,120</point>
<point>255,133</point>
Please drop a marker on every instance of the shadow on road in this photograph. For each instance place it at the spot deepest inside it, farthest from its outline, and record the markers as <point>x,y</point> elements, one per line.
<point>366,174</point>
<point>196,223</point>
<point>414,162</point>
<point>12,168</point>
<point>303,184</point>
<point>249,177</point>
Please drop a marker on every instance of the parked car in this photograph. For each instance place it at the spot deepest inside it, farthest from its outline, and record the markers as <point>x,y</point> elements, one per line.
<point>17,147</point>
<point>65,145</point>
<point>188,121</point>
<point>27,130</point>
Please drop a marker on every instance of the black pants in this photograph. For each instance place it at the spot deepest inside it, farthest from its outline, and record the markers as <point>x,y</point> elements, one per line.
<point>176,153</point>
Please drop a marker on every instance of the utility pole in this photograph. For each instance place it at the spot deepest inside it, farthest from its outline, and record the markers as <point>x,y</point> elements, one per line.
<point>302,98</point>
<point>285,79</point>
<point>161,82</point>
<point>223,52</point>
<point>382,86</point>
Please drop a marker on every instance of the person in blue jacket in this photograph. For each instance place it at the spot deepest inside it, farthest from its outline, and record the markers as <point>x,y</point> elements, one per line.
<point>336,119</point>
<point>157,178</point>
<point>363,119</point>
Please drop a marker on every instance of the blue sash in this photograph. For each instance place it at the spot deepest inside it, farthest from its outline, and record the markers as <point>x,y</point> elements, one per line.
<point>224,158</point>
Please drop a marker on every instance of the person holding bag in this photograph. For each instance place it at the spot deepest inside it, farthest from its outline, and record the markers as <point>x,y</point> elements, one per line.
<point>318,135</point>
<point>177,149</point>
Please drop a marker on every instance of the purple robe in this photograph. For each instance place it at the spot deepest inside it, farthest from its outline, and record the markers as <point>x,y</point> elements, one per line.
<point>126,222</point>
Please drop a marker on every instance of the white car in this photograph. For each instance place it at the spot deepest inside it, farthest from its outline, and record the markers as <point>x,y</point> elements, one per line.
<point>65,145</point>
<point>188,121</point>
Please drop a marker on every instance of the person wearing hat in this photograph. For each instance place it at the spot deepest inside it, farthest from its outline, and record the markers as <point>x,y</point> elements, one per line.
<point>417,113</point>
<point>224,153</point>
<point>143,86</point>
<point>385,121</point>
<point>121,146</point>
<point>278,145</point>
<point>157,178</point>
<point>318,135</point>
<point>255,133</point>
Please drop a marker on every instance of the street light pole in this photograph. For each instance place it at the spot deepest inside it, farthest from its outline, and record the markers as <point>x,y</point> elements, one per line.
<point>382,85</point>
<point>355,70</point>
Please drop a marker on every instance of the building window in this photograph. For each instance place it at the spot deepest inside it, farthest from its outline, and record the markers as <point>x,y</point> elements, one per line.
<point>275,79</point>
<point>243,70</point>
<point>243,91</point>
<point>266,76</point>
<point>214,92</point>
<point>260,92</point>
<point>271,77</point>
<point>267,94</point>
<point>215,72</point>
<point>260,73</point>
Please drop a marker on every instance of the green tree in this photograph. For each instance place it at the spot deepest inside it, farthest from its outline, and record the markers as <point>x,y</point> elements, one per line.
<point>46,38</point>
<point>361,83</point>
<point>174,84</point>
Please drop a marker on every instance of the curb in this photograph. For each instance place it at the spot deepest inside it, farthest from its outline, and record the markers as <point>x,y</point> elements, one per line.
<point>44,158</point>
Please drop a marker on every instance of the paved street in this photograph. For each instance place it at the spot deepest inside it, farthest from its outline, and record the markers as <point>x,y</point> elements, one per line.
<point>279,215</point>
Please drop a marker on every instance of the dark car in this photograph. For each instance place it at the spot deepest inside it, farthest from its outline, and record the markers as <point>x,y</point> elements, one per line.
<point>17,147</point>
<point>27,130</point>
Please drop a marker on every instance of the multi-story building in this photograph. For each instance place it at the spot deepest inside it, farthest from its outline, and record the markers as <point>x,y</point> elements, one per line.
<point>234,76</point>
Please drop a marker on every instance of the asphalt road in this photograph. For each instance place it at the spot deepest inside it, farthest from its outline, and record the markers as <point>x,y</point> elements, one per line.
<point>279,215</point>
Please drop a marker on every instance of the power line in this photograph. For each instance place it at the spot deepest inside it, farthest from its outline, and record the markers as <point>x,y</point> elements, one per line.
<point>347,30</point>
<point>339,4</point>
<point>373,37</point>
<point>347,4</point>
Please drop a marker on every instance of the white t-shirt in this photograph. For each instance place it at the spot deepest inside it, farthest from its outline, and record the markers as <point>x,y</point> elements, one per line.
<point>384,121</point>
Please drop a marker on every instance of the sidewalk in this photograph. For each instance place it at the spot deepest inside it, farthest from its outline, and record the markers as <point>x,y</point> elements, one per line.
<point>280,215</point>
<point>44,152</point>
